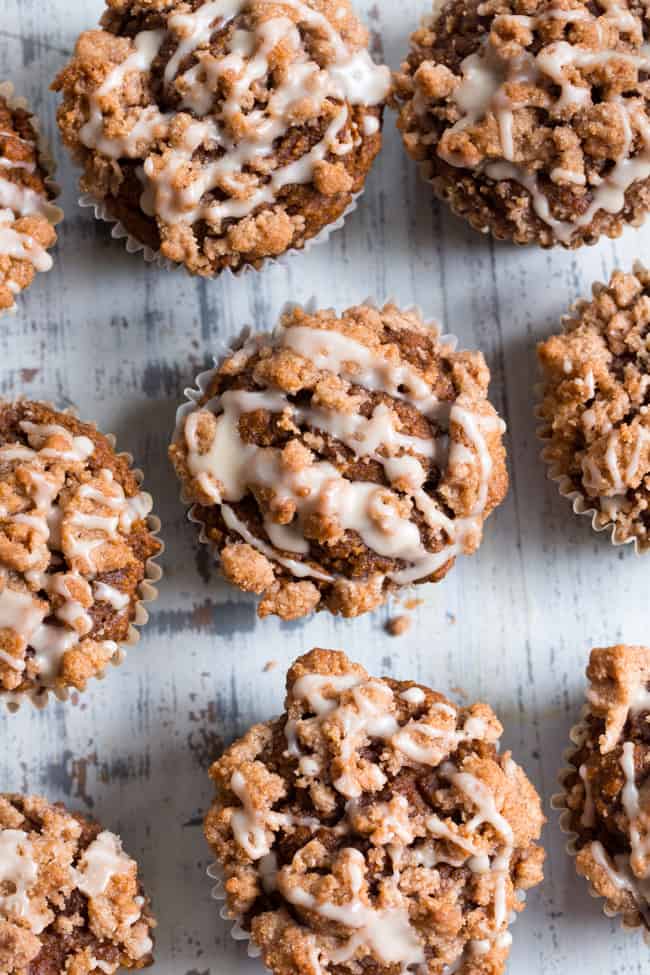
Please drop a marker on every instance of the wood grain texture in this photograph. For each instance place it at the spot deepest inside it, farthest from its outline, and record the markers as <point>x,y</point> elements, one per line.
<point>513,625</point>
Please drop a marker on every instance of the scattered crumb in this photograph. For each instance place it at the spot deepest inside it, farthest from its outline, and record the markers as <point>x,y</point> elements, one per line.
<point>270,665</point>
<point>413,603</point>
<point>460,692</point>
<point>398,625</point>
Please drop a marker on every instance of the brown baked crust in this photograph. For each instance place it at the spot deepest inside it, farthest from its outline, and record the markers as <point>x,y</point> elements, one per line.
<point>596,405</point>
<point>74,545</point>
<point>567,140</point>
<point>55,919</point>
<point>607,787</point>
<point>303,414</point>
<point>21,167</point>
<point>348,836</point>
<point>299,210</point>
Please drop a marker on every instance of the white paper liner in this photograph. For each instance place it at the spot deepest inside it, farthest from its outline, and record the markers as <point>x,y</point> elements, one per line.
<point>151,256</point>
<point>147,592</point>
<point>558,802</point>
<point>45,158</point>
<point>580,503</point>
<point>194,394</point>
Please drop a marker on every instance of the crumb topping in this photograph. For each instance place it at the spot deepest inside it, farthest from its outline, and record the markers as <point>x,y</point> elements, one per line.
<point>70,898</point>
<point>608,787</point>
<point>596,404</point>
<point>26,213</point>
<point>337,459</point>
<point>374,826</point>
<point>229,124</point>
<point>74,541</point>
<point>545,102</point>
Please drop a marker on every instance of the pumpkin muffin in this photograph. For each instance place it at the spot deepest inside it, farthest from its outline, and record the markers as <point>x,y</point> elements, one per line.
<point>71,901</point>
<point>531,118</point>
<point>340,458</point>
<point>374,827</point>
<point>75,543</point>
<point>220,135</point>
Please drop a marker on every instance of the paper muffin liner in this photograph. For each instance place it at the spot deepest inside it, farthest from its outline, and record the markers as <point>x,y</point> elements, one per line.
<point>45,158</point>
<point>147,593</point>
<point>151,256</point>
<point>580,502</point>
<point>193,394</point>
<point>559,802</point>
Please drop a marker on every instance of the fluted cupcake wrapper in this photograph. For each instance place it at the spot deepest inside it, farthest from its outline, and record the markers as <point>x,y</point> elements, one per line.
<point>237,932</point>
<point>147,592</point>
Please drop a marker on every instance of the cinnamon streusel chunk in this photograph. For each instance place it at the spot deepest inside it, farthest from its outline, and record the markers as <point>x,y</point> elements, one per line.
<point>71,901</point>
<point>75,540</point>
<point>596,405</point>
<point>532,117</point>
<point>223,133</point>
<point>341,458</point>
<point>607,787</point>
<point>27,213</point>
<point>374,827</point>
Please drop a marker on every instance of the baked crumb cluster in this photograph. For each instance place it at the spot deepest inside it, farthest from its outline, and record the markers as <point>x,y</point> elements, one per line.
<point>74,543</point>
<point>27,214</point>
<point>225,132</point>
<point>532,116</point>
<point>340,458</point>
<point>607,789</point>
<point>374,827</point>
<point>70,898</point>
<point>596,405</point>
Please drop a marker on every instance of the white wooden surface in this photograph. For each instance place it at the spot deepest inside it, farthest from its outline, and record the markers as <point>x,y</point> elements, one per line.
<point>513,625</point>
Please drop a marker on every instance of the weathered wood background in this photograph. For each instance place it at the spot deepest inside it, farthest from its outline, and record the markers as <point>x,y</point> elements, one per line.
<point>513,625</point>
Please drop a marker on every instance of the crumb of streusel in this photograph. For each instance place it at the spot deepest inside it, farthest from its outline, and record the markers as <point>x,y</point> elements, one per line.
<point>531,117</point>
<point>374,826</point>
<point>595,407</point>
<point>606,788</point>
<point>74,545</point>
<point>71,900</point>
<point>398,625</point>
<point>340,459</point>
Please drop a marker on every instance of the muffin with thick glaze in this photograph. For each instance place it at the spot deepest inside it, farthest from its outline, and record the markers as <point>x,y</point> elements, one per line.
<point>340,458</point>
<point>75,547</point>
<point>374,827</point>
<point>531,118</point>
<point>71,901</point>
<point>222,134</point>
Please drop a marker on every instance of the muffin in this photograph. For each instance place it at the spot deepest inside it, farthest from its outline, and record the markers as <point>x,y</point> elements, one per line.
<point>223,135</point>
<point>71,901</point>
<point>75,543</point>
<point>337,459</point>
<point>374,827</point>
<point>27,213</point>
<point>606,798</point>
<point>531,118</point>
<point>596,421</point>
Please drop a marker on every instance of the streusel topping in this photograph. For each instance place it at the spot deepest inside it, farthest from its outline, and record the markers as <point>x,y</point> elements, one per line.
<point>545,102</point>
<point>26,211</point>
<point>374,827</point>
<point>596,405</point>
<point>74,542</point>
<point>339,458</point>
<point>247,125</point>
<point>608,789</point>
<point>70,898</point>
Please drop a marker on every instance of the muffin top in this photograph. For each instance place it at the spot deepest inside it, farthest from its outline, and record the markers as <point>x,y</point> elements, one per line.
<point>374,826</point>
<point>544,103</point>
<point>74,543</point>
<point>608,786</point>
<point>70,898</point>
<point>340,458</point>
<point>595,405</point>
<point>222,133</point>
<point>26,211</point>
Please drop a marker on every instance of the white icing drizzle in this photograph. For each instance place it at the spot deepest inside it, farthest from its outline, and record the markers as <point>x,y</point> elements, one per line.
<point>101,861</point>
<point>116,598</point>
<point>350,77</point>
<point>636,815</point>
<point>228,468</point>
<point>18,875</point>
<point>619,874</point>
